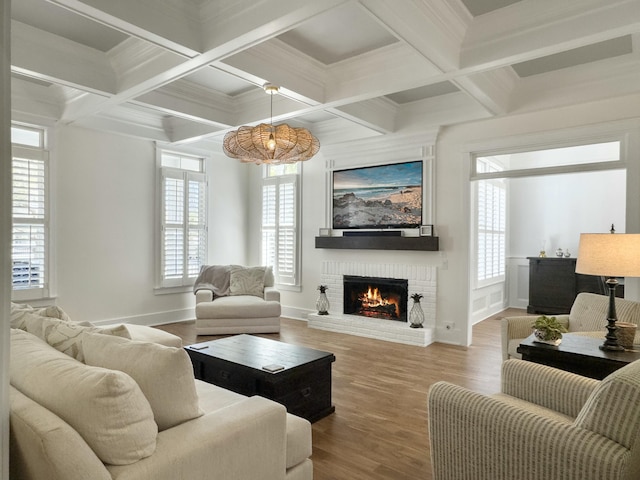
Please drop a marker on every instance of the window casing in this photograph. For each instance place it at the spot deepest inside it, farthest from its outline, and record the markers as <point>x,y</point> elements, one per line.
<point>183,219</point>
<point>491,226</point>
<point>30,214</point>
<point>280,232</point>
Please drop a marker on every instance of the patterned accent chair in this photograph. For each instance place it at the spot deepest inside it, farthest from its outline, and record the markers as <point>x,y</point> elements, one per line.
<point>544,424</point>
<point>232,299</point>
<point>588,316</point>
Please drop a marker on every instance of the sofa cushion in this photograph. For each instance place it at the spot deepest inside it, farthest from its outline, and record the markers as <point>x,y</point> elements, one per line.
<point>164,374</point>
<point>240,306</point>
<point>45,446</point>
<point>247,280</point>
<point>66,336</point>
<point>20,311</point>
<point>106,407</point>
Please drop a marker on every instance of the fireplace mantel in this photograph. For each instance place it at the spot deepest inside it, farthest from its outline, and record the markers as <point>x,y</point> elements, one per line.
<point>379,243</point>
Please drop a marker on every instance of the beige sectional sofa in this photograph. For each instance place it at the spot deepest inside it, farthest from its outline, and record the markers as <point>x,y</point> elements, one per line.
<point>91,403</point>
<point>588,316</point>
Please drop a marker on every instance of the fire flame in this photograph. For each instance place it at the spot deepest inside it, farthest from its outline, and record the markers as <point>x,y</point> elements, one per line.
<point>372,298</point>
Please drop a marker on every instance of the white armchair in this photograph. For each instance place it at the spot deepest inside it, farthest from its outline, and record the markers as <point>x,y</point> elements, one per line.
<point>588,314</point>
<point>545,424</point>
<point>232,299</point>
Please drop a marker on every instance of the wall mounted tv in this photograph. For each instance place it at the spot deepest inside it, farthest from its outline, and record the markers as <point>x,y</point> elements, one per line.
<point>377,197</point>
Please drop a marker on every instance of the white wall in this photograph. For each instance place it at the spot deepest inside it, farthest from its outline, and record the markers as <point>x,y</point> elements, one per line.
<point>5,228</point>
<point>557,208</point>
<point>105,221</point>
<point>229,193</point>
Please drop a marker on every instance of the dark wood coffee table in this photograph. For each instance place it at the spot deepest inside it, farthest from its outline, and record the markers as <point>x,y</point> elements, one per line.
<point>237,363</point>
<point>578,354</point>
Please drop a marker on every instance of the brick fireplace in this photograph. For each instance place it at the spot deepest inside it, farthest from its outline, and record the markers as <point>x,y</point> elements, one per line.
<point>419,279</point>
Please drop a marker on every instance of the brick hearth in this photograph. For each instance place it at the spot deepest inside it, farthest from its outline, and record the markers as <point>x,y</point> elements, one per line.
<point>421,279</point>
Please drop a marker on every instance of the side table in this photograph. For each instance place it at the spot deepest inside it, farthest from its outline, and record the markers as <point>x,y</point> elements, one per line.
<point>578,354</point>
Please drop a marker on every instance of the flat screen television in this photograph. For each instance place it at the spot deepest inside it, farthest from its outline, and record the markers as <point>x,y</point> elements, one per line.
<point>377,197</point>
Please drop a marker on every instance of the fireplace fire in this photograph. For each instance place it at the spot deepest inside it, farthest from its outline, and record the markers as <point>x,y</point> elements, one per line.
<point>376,297</point>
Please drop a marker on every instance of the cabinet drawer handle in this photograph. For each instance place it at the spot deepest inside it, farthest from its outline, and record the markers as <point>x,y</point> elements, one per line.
<point>225,375</point>
<point>306,392</point>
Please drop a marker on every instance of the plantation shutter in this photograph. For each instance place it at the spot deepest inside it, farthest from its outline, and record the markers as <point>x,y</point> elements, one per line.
<point>197,228</point>
<point>29,215</point>
<point>269,225</point>
<point>491,211</point>
<point>184,229</point>
<point>287,231</point>
<point>279,227</point>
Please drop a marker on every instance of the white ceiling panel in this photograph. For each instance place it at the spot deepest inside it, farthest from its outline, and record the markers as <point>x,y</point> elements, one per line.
<point>338,34</point>
<point>59,21</point>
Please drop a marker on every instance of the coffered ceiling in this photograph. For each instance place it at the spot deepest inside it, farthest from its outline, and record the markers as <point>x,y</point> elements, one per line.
<point>188,71</point>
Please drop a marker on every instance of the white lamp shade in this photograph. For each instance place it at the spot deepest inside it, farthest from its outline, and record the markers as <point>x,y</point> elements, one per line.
<point>609,254</point>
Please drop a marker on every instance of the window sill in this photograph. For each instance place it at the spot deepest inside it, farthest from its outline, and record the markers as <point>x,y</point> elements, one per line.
<point>36,297</point>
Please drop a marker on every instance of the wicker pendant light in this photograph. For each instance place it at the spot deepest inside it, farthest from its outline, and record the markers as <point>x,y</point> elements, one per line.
<point>273,144</point>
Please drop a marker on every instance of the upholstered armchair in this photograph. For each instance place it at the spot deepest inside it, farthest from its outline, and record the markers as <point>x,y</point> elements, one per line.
<point>232,299</point>
<point>545,424</point>
<point>588,316</point>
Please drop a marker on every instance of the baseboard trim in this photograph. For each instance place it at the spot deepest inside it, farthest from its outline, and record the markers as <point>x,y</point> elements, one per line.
<point>152,319</point>
<point>296,313</point>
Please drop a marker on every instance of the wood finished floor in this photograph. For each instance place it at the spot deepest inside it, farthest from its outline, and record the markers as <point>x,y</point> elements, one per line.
<point>379,428</point>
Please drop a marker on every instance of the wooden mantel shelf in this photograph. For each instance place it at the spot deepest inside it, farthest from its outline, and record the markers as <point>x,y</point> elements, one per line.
<point>379,243</point>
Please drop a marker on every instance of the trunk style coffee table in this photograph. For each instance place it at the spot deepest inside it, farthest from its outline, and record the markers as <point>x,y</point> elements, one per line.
<point>297,377</point>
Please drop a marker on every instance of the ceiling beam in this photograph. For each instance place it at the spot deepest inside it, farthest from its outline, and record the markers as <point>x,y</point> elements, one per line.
<point>260,26</point>
<point>377,114</point>
<point>435,29</point>
<point>491,89</point>
<point>157,21</point>
<point>530,29</point>
<point>47,57</point>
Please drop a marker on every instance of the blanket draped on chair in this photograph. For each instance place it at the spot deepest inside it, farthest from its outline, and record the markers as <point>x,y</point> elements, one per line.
<point>215,278</point>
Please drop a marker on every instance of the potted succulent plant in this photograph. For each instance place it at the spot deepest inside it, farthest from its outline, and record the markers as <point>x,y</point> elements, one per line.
<point>548,330</point>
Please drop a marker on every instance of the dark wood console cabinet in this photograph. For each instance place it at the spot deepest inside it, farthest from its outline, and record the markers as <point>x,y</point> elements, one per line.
<point>554,285</point>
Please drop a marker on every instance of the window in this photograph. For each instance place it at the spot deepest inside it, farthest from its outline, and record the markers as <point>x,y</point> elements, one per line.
<point>491,199</point>
<point>30,213</point>
<point>280,236</point>
<point>183,213</point>
<point>587,156</point>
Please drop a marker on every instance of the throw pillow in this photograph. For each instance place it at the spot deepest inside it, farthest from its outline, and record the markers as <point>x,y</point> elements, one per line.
<point>106,407</point>
<point>20,312</point>
<point>164,374</point>
<point>66,336</point>
<point>247,281</point>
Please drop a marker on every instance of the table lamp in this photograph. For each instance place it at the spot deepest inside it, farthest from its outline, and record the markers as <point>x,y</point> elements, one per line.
<point>609,255</point>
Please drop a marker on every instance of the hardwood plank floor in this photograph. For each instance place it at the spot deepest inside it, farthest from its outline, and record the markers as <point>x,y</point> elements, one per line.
<point>379,429</point>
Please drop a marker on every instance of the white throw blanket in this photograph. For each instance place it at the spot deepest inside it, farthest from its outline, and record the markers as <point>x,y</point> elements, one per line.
<point>215,278</point>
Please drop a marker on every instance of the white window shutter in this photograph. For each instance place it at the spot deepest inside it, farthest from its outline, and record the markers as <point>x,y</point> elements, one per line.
<point>269,225</point>
<point>279,227</point>
<point>491,229</point>
<point>197,224</point>
<point>29,213</point>
<point>184,226</point>
<point>286,272</point>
